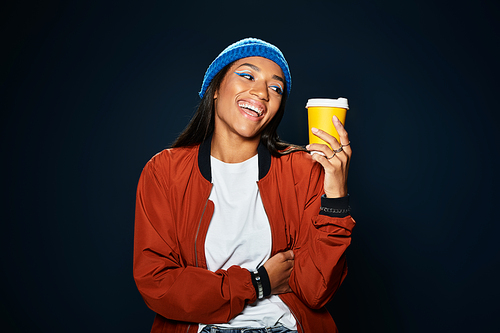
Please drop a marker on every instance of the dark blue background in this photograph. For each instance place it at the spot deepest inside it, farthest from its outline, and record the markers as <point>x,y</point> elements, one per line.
<point>90,91</point>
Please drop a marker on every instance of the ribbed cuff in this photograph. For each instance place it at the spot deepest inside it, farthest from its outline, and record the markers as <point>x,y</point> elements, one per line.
<point>335,207</point>
<point>266,284</point>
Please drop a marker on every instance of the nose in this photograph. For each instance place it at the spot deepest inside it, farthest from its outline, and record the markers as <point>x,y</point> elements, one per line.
<point>259,89</point>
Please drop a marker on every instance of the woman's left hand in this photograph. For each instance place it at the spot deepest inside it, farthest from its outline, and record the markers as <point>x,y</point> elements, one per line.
<point>335,162</point>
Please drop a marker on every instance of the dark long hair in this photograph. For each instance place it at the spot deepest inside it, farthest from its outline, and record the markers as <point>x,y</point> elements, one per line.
<point>202,124</point>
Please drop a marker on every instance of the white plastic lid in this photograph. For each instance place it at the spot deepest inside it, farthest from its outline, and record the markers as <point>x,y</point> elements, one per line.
<point>340,102</point>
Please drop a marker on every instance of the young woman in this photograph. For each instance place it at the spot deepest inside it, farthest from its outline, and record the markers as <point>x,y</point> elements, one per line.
<point>235,230</point>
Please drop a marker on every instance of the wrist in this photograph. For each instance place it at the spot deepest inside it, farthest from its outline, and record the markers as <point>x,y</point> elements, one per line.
<point>336,194</point>
<point>335,207</point>
<point>266,283</point>
<point>261,282</point>
<point>257,284</point>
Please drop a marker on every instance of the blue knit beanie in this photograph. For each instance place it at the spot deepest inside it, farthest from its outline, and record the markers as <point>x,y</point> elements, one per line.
<point>248,47</point>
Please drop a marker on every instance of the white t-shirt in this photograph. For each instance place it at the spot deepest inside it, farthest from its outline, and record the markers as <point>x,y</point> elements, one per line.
<point>240,234</point>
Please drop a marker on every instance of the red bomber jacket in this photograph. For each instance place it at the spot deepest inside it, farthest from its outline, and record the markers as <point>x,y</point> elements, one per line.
<point>172,218</point>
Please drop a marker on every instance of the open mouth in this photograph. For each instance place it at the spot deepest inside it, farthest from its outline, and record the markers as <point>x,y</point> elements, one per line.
<point>250,109</point>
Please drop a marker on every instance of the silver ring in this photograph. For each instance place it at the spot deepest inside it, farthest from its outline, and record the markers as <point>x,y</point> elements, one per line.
<point>341,145</point>
<point>339,150</point>
<point>334,153</point>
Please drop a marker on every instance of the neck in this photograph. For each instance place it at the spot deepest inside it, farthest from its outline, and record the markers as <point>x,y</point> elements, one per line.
<point>233,150</point>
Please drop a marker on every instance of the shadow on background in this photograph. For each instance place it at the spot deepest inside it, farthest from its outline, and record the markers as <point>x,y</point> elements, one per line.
<point>89,92</point>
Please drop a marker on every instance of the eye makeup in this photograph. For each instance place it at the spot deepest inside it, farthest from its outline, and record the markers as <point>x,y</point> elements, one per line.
<point>278,86</point>
<point>244,73</point>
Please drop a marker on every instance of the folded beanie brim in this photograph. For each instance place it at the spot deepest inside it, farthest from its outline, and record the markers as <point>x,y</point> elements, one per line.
<point>248,47</point>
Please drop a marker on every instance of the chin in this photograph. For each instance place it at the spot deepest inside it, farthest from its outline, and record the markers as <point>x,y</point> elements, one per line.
<point>249,135</point>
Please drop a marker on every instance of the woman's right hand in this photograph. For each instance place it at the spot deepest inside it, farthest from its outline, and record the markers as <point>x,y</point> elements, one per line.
<point>279,267</point>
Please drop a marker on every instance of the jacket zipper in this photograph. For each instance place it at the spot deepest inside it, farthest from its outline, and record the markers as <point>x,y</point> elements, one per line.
<point>294,316</point>
<point>196,238</point>
<point>198,230</point>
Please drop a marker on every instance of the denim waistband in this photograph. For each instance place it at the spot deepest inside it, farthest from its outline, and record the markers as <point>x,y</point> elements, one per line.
<point>218,329</point>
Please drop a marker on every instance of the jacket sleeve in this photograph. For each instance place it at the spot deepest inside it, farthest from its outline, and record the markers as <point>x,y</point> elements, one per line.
<point>168,285</point>
<point>320,263</point>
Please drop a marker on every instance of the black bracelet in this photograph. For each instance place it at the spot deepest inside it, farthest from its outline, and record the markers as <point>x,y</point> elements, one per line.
<point>259,289</point>
<point>335,210</point>
<point>264,278</point>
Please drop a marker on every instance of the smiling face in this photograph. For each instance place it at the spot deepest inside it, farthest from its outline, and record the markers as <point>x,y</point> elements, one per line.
<point>248,98</point>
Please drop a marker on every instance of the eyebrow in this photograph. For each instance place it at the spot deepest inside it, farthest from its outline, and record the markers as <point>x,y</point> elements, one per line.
<point>276,77</point>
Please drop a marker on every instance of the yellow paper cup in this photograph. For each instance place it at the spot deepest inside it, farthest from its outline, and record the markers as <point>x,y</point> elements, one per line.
<point>320,113</point>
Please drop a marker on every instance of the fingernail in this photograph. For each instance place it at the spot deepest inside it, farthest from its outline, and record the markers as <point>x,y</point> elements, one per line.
<point>314,130</point>
<point>335,119</point>
<point>307,147</point>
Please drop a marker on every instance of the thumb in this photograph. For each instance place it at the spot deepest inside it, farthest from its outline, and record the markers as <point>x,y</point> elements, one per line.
<point>289,255</point>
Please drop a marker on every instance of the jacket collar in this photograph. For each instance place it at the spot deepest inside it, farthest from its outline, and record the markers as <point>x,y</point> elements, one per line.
<point>205,166</point>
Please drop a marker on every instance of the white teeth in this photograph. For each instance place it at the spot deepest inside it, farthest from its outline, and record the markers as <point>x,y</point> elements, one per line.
<point>250,107</point>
